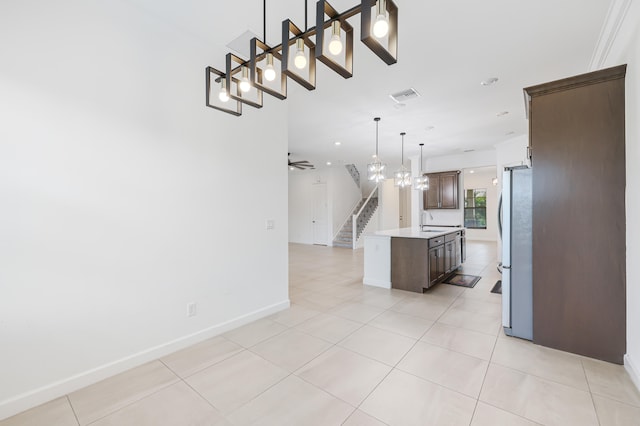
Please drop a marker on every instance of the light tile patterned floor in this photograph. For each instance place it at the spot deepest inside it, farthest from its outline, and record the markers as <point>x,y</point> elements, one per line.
<point>350,354</point>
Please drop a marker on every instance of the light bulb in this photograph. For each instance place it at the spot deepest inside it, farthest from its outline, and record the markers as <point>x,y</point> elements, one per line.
<point>245,85</point>
<point>223,95</point>
<point>269,70</point>
<point>300,60</point>
<point>381,26</point>
<point>270,73</point>
<point>335,45</point>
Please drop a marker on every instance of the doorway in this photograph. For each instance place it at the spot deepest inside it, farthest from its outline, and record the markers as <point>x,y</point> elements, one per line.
<point>480,208</point>
<point>319,215</point>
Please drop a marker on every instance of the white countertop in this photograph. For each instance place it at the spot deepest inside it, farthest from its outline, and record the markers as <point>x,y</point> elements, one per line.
<point>416,232</point>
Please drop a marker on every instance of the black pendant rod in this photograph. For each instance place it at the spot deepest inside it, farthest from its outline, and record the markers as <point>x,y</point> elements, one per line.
<point>377,119</point>
<point>264,21</point>
<point>306,13</point>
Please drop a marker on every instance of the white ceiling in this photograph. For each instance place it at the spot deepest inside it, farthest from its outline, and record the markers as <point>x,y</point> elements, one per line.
<point>446,48</point>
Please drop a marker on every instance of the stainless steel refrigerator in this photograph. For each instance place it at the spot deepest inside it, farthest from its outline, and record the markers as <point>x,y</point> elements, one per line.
<point>517,288</point>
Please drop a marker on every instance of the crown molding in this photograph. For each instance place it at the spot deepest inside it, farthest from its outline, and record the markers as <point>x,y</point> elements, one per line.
<point>617,30</point>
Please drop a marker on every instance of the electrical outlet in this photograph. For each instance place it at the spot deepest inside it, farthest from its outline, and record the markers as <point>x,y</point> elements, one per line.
<point>270,224</point>
<point>191,309</point>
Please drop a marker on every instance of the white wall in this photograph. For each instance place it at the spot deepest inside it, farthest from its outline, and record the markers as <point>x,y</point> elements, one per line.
<point>342,195</point>
<point>626,49</point>
<point>116,208</point>
<point>389,205</point>
<point>482,178</point>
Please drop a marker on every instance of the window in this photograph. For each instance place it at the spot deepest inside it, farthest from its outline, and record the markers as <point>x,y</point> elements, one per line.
<point>475,208</point>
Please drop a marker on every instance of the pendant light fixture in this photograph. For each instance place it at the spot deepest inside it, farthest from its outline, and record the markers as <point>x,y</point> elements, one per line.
<point>402,177</point>
<point>296,56</point>
<point>375,170</point>
<point>421,182</point>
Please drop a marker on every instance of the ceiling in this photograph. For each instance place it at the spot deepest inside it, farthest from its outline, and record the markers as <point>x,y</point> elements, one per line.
<point>446,48</point>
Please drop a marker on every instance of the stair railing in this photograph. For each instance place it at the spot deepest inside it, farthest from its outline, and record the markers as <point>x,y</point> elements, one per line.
<point>347,219</point>
<point>354,222</point>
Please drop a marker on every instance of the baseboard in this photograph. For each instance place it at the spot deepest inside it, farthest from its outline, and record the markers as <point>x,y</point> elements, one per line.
<point>633,371</point>
<point>376,283</point>
<point>20,403</point>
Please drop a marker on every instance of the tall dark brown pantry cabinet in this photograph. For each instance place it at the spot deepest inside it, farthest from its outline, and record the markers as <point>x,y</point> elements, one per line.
<point>577,141</point>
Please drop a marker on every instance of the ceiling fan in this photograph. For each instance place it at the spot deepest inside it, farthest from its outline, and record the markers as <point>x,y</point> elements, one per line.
<point>300,165</point>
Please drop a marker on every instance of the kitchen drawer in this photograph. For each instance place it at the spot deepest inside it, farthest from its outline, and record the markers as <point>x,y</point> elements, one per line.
<point>434,242</point>
<point>451,237</point>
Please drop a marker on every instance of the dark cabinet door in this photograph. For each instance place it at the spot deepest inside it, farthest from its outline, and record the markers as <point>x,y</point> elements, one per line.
<point>442,192</point>
<point>449,191</point>
<point>441,257</point>
<point>432,195</point>
<point>436,264</point>
<point>449,257</point>
<point>409,269</point>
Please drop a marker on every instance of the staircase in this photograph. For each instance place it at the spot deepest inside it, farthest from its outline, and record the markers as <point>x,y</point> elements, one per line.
<point>345,236</point>
<point>355,174</point>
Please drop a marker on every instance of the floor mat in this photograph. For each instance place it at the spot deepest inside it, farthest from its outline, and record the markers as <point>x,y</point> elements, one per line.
<point>463,280</point>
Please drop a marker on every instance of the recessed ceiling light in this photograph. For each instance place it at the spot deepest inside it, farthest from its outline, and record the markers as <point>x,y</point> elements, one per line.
<point>292,168</point>
<point>336,143</point>
<point>328,163</point>
<point>502,113</point>
<point>489,81</point>
<point>510,133</point>
<point>472,171</point>
<point>429,128</point>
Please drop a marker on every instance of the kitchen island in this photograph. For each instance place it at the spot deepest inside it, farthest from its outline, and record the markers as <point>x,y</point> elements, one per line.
<point>412,259</point>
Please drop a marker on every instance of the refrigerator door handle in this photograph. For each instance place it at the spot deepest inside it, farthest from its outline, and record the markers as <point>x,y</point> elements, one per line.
<point>500,216</point>
<point>506,218</point>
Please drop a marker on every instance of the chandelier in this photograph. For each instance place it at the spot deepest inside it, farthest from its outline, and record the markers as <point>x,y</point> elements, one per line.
<point>268,68</point>
<point>375,169</point>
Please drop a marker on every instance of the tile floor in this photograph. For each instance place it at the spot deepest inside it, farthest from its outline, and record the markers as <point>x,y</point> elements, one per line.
<point>350,354</point>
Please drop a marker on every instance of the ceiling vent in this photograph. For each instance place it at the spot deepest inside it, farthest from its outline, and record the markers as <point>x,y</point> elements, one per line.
<point>404,95</point>
<point>241,43</point>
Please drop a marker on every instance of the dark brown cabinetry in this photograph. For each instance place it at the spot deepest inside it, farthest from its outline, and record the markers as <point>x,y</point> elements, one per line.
<point>451,253</point>
<point>443,191</point>
<point>437,260</point>
<point>419,263</point>
<point>409,264</point>
<point>577,138</point>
